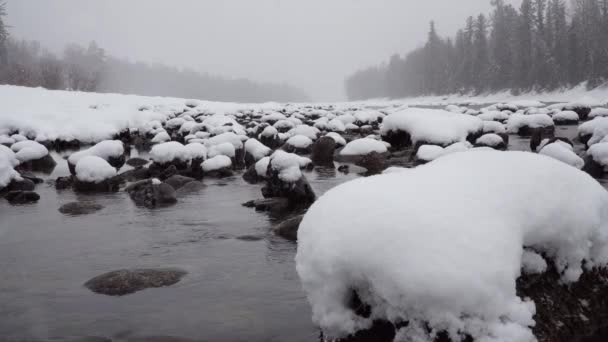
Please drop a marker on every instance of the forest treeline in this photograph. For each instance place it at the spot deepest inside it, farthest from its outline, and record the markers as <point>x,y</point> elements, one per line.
<point>91,69</point>
<point>542,45</point>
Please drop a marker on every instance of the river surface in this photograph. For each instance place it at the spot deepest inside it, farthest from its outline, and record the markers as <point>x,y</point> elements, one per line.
<point>236,289</point>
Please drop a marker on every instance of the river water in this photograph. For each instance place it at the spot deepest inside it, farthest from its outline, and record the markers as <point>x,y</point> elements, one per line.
<point>236,289</point>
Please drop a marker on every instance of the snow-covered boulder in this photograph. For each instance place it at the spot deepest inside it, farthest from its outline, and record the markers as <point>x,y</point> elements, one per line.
<point>595,112</point>
<point>361,147</point>
<point>592,132</point>
<point>564,152</point>
<point>254,151</point>
<point>33,156</point>
<point>112,151</point>
<point>446,257</point>
<point>566,117</point>
<point>270,137</point>
<point>523,125</point>
<point>492,140</point>
<point>299,144</point>
<point>217,166</point>
<point>284,179</point>
<point>429,126</point>
<point>170,153</point>
<point>93,173</point>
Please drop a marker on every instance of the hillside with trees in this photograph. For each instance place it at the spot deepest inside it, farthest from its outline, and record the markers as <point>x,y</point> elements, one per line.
<point>542,45</point>
<point>91,69</point>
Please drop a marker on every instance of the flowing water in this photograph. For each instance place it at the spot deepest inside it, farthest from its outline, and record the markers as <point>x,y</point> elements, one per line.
<point>237,289</point>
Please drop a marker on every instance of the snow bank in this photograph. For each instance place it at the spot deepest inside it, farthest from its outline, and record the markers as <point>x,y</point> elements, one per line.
<point>432,125</point>
<point>449,253</point>
<point>361,147</point>
<point>94,169</point>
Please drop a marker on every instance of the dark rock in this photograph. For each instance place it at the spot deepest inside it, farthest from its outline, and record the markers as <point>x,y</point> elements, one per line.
<point>398,139</point>
<point>299,194</point>
<point>136,162</point>
<point>22,197</point>
<point>163,171</point>
<point>64,182</point>
<point>538,135</point>
<point>272,142</point>
<point>528,131</point>
<point>79,208</point>
<point>297,150</point>
<point>251,175</point>
<point>123,282</point>
<point>288,229</point>
<point>107,185</point>
<point>21,185</point>
<point>177,181</point>
<point>374,162</point>
<point>344,168</point>
<point>274,205</point>
<point>323,151</point>
<point>582,111</point>
<point>220,173</point>
<point>593,168</point>
<point>45,164</point>
<point>250,238</point>
<point>133,175</point>
<point>150,195</point>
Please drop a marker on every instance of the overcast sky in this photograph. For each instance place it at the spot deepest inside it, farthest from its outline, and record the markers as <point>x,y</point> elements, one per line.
<point>312,44</point>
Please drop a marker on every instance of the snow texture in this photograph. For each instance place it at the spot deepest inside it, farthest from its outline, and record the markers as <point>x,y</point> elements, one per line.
<point>216,163</point>
<point>26,150</point>
<point>563,151</point>
<point>104,149</point>
<point>94,169</point>
<point>361,147</point>
<point>168,152</point>
<point>448,254</point>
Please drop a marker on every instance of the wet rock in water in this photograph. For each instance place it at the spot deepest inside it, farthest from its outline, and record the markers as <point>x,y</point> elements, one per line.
<point>177,181</point>
<point>323,151</point>
<point>79,208</point>
<point>135,174</point>
<point>124,282</point>
<point>288,229</point>
<point>538,135</point>
<point>593,168</point>
<point>136,162</point>
<point>64,182</point>
<point>275,205</point>
<point>21,185</point>
<point>45,164</point>
<point>163,171</point>
<point>299,194</point>
<point>151,193</point>
<point>344,169</point>
<point>22,197</point>
<point>374,162</point>
<point>107,185</point>
<point>251,175</point>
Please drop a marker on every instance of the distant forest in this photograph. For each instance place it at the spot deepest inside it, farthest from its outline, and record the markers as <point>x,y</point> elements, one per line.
<point>90,69</point>
<point>543,45</point>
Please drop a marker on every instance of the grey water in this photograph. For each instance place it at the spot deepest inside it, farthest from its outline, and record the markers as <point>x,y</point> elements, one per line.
<point>236,289</point>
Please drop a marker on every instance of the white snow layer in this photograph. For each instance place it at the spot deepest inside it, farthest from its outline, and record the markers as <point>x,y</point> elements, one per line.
<point>448,254</point>
<point>432,125</point>
<point>8,160</point>
<point>288,165</point>
<point>563,151</point>
<point>517,121</point>
<point>104,149</point>
<point>26,150</point>
<point>256,149</point>
<point>361,147</point>
<point>216,163</point>
<point>94,169</point>
<point>168,152</point>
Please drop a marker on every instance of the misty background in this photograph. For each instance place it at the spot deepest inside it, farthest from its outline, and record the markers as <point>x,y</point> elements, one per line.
<point>288,45</point>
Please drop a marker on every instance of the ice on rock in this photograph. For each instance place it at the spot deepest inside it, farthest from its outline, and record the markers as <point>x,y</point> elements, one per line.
<point>363,146</point>
<point>94,169</point>
<point>432,125</point>
<point>447,255</point>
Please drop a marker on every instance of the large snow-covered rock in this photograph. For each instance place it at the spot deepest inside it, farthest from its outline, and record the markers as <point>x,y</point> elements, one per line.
<point>112,151</point>
<point>431,126</point>
<point>524,124</point>
<point>447,255</point>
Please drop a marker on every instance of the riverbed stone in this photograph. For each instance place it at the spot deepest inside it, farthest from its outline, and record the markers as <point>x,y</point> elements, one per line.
<point>22,197</point>
<point>125,281</point>
<point>79,208</point>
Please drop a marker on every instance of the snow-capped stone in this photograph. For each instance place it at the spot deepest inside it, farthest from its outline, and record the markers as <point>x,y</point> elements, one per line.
<point>522,124</point>
<point>563,152</point>
<point>169,152</point>
<point>363,146</point>
<point>93,169</point>
<point>471,221</point>
<point>216,163</point>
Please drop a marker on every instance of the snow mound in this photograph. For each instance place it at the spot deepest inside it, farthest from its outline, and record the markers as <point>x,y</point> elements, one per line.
<point>429,153</point>
<point>288,165</point>
<point>448,255</point>
<point>599,153</point>
<point>361,147</point>
<point>216,163</point>
<point>26,150</point>
<point>196,151</point>
<point>299,141</point>
<point>490,139</point>
<point>563,151</point>
<point>161,137</point>
<point>104,149</point>
<point>340,141</point>
<point>518,121</point>
<point>598,112</point>
<point>223,149</point>
<point>432,125</point>
<point>566,115</point>
<point>168,152</point>
<point>94,169</point>
<point>256,149</point>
